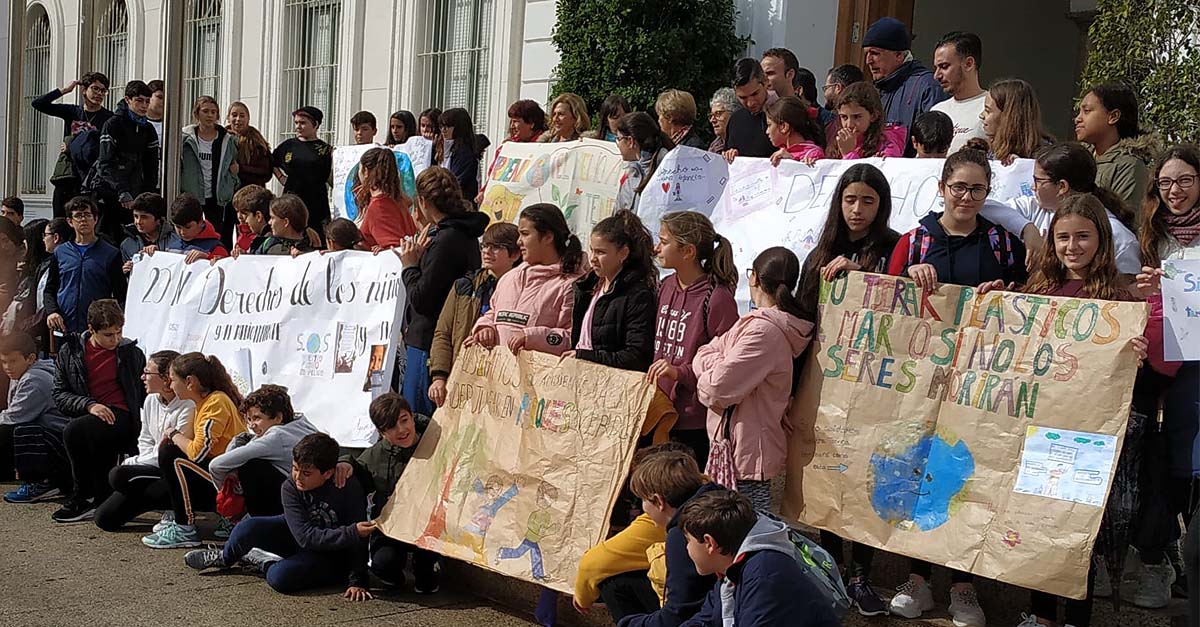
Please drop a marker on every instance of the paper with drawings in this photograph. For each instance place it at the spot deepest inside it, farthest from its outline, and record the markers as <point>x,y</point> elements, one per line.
<point>1066,465</point>
<point>1181,309</point>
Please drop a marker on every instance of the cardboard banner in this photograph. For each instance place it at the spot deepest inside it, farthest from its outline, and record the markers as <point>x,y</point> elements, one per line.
<point>520,467</point>
<point>1181,309</point>
<point>412,158</point>
<point>580,177</point>
<point>976,432</point>
<point>324,326</point>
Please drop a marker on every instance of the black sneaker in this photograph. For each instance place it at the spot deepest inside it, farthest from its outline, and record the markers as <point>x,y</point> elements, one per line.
<point>864,599</point>
<point>74,510</point>
<point>427,583</point>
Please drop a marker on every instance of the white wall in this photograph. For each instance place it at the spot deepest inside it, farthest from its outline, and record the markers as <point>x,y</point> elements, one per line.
<point>806,27</point>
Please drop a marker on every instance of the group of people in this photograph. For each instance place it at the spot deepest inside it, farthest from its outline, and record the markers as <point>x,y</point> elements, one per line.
<point>1106,211</point>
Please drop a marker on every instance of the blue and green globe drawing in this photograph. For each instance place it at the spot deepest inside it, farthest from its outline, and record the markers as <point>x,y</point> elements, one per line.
<point>408,181</point>
<point>919,478</point>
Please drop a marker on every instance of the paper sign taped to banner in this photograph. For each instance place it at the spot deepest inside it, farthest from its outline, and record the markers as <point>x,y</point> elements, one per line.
<point>917,412</point>
<point>1181,309</point>
<point>324,326</point>
<point>412,158</point>
<point>688,179</point>
<point>519,469</point>
<point>581,178</point>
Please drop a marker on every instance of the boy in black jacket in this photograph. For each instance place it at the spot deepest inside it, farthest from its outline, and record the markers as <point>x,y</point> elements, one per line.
<point>128,163</point>
<point>665,482</point>
<point>97,385</point>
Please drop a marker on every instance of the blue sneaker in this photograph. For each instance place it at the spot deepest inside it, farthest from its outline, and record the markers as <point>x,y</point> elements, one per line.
<point>32,493</point>
<point>173,536</point>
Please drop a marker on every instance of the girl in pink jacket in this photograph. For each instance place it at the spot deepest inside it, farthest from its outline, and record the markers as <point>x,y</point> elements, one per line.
<point>749,370</point>
<point>864,131</point>
<point>533,302</point>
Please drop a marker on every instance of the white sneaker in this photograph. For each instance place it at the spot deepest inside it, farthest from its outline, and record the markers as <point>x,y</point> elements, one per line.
<point>964,607</point>
<point>168,517</point>
<point>1102,584</point>
<point>912,598</point>
<point>1154,586</point>
<point>258,559</point>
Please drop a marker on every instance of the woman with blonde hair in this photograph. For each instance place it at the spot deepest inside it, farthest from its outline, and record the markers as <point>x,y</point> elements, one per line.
<point>569,119</point>
<point>208,167</point>
<point>1012,120</point>
<point>676,111</point>
<point>253,150</point>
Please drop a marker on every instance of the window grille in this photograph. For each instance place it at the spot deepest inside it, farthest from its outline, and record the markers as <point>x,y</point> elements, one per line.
<point>112,48</point>
<point>35,82</point>
<point>202,50</point>
<point>311,38</point>
<point>454,56</point>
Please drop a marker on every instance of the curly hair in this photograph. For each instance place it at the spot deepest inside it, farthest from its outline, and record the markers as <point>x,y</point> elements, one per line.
<point>382,175</point>
<point>272,400</point>
<point>438,188</point>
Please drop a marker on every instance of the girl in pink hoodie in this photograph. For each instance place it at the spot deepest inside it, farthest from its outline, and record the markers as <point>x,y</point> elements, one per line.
<point>792,129</point>
<point>749,370</point>
<point>533,302</point>
<point>695,304</point>
<point>864,131</point>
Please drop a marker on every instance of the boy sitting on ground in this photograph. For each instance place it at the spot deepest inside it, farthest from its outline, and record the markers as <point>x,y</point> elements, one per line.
<point>31,420</point>
<point>288,217</point>
<point>378,469</point>
<point>318,541</point>
<point>761,580</point>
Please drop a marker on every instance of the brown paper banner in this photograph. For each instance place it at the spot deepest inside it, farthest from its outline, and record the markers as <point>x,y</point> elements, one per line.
<point>519,470</point>
<point>976,432</point>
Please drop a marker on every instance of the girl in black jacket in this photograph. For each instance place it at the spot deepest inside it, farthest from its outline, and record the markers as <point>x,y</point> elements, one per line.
<point>613,321</point>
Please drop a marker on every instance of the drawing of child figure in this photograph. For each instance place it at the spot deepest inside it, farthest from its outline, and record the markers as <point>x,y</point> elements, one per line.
<point>475,532</point>
<point>539,526</point>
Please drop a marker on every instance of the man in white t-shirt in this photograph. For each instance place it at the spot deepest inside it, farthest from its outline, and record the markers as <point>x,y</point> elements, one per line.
<point>956,61</point>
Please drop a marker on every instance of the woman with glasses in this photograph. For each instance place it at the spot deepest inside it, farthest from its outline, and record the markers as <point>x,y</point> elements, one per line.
<point>723,104</point>
<point>959,247</point>
<point>643,147</point>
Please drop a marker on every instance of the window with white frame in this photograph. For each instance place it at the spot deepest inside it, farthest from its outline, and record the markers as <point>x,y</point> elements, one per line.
<point>454,56</point>
<point>35,81</point>
<point>202,50</point>
<point>112,47</point>
<point>311,39</point>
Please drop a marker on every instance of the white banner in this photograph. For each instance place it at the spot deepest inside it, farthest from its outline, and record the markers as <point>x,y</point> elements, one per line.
<point>324,326</point>
<point>412,158</point>
<point>688,179</point>
<point>1181,309</point>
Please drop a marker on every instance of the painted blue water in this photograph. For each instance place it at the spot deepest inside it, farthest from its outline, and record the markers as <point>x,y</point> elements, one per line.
<point>918,484</point>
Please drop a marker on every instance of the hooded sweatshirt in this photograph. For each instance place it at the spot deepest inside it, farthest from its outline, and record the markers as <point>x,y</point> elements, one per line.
<point>274,446</point>
<point>890,145</point>
<point>963,259</point>
<point>157,419</point>
<point>208,241</point>
<point>689,318</point>
<point>907,93</point>
<point>1125,169</point>
<point>536,299</point>
<point>765,585</point>
<point>167,239</point>
<point>453,252</point>
<point>750,368</point>
<point>31,400</point>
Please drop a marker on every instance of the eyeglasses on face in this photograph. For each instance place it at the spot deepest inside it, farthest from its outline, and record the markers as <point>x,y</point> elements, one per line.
<point>1184,182</point>
<point>977,192</point>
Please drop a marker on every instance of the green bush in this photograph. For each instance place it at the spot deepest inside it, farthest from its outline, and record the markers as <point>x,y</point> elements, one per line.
<point>638,48</point>
<point>1154,47</point>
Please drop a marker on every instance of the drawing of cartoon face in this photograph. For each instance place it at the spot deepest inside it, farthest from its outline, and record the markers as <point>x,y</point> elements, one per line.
<point>917,482</point>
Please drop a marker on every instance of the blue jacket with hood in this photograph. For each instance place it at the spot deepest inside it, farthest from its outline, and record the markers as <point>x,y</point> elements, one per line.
<point>907,93</point>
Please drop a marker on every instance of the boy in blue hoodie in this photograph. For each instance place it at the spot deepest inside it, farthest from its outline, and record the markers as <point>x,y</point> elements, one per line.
<point>31,421</point>
<point>318,541</point>
<point>761,580</point>
<point>666,482</point>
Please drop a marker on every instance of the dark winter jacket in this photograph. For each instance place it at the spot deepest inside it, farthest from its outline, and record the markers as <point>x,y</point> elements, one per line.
<point>71,391</point>
<point>453,252</point>
<point>167,239</point>
<point>324,520</point>
<point>74,118</point>
<point>694,139</point>
<point>622,323</point>
<point>988,253</point>
<point>747,133</point>
<point>464,165</point>
<point>765,586</point>
<point>907,93</point>
<point>379,468</point>
<point>80,275</point>
<point>686,589</point>
<point>207,241</point>
<point>128,163</point>
<point>464,305</point>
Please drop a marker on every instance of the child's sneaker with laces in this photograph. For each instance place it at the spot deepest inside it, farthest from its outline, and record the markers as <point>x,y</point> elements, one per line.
<point>173,536</point>
<point>32,493</point>
<point>201,559</point>
<point>964,607</point>
<point>168,517</point>
<point>912,599</point>
<point>258,560</point>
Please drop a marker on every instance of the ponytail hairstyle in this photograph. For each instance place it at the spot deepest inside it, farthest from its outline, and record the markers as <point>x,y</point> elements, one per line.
<point>967,155</point>
<point>713,252</point>
<point>793,112</point>
<point>438,188</point>
<point>1019,131</point>
<point>382,175</point>
<point>1119,97</point>
<point>644,130</point>
<point>835,236</point>
<point>1072,163</point>
<point>778,271</point>
<point>206,100</point>
<point>866,96</point>
<point>625,229</point>
<point>410,127</point>
<point>546,218</point>
<point>210,373</point>
<point>1103,280</point>
<point>1153,231</point>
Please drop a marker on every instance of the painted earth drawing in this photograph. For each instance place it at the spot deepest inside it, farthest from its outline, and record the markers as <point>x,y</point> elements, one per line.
<point>919,479</point>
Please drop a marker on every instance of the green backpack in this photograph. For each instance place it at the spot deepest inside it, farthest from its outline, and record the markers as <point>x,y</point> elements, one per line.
<point>819,568</point>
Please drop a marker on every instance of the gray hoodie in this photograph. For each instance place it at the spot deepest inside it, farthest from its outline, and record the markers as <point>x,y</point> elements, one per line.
<point>30,399</point>
<point>765,535</point>
<point>274,446</point>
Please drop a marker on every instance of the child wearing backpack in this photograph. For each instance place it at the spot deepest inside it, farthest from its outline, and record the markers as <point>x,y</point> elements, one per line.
<point>761,577</point>
<point>744,377</point>
<point>696,303</point>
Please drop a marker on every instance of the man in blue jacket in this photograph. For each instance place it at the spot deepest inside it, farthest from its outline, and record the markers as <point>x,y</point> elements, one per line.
<point>82,271</point>
<point>761,580</point>
<point>907,87</point>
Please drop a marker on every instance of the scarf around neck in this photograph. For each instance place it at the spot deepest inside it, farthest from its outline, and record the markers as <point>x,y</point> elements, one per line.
<point>1184,228</point>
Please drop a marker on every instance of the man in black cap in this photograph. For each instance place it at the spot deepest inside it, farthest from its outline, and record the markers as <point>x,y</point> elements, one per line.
<point>304,166</point>
<point>907,87</point>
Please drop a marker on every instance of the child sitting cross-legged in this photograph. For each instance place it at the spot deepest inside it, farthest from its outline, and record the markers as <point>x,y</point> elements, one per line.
<point>30,421</point>
<point>318,541</point>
